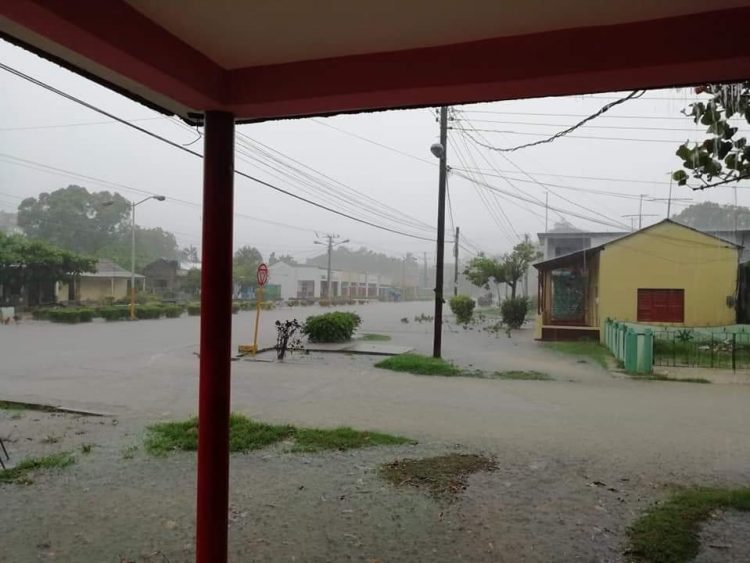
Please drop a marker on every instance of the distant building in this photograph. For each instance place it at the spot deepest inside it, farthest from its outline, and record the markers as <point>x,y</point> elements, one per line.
<point>309,282</point>
<point>9,223</point>
<point>109,281</point>
<point>666,273</point>
<point>164,277</point>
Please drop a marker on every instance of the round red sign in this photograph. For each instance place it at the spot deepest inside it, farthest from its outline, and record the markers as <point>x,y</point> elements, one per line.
<point>262,275</point>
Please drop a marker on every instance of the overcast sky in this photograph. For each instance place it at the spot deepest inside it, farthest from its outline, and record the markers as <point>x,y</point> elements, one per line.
<point>45,129</point>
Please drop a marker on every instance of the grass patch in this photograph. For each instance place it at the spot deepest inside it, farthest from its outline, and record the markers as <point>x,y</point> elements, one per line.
<point>656,377</point>
<point>419,365</point>
<point>587,348</point>
<point>522,375</point>
<point>17,406</point>
<point>246,435</point>
<point>19,473</point>
<point>444,475</point>
<point>669,532</point>
<point>375,337</point>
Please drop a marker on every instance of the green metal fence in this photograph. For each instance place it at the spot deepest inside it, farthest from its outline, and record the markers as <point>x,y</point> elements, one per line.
<point>633,347</point>
<point>693,348</point>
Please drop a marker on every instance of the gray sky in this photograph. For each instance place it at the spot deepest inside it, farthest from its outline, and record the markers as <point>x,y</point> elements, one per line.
<point>406,182</point>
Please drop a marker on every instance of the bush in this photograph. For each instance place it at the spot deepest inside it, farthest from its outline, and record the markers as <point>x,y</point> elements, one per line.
<point>235,308</point>
<point>331,327</point>
<point>173,311</point>
<point>149,311</point>
<point>267,305</point>
<point>40,314</point>
<point>463,307</point>
<point>292,302</point>
<point>514,311</point>
<point>114,313</point>
<point>325,302</point>
<point>194,309</point>
<point>70,316</point>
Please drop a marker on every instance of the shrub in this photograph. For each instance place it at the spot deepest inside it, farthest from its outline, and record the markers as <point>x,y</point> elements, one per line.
<point>514,311</point>
<point>40,314</point>
<point>331,327</point>
<point>149,311</point>
<point>173,311</point>
<point>114,313</point>
<point>267,305</point>
<point>235,308</point>
<point>463,307</point>
<point>70,316</point>
<point>292,302</point>
<point>194,309</point>
<point>325,302</point>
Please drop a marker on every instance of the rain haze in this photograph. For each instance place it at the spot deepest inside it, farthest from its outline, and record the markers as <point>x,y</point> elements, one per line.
<point>384,156</point>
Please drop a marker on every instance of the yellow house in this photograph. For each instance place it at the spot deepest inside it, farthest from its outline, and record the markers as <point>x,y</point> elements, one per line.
<point>108,281</point>
<point>664,274</point>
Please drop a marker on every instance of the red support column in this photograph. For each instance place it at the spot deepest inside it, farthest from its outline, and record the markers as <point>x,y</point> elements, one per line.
<point>215,339</point>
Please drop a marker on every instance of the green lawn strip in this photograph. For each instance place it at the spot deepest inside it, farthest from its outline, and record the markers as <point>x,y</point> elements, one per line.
<point>246,435</point>
<point>585,348</point>
<point>522,375</point>
<point>370,337</point>
<point>420,365</point>
<point>656,377</point>
<point>669,531</point>
<point>17,406</point>
<point>443,475</point>
<point>19,473</point>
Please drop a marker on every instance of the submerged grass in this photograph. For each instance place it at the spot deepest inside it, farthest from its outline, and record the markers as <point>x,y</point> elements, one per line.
<point>657,377</point>
<point>669,532</point>
<point>370,337</point>
<point>419,365</point>
<point>586,348</point>
<point>442,476</point>
<point>246,435</point>
<point>19,473</point>
<point>531,375</point>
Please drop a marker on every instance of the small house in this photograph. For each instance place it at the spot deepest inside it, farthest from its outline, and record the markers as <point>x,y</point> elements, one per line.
<point>664,274</point>
<point>109,281</point>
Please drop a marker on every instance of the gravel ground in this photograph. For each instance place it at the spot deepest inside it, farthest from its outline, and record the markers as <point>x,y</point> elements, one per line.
<point>119,504</point>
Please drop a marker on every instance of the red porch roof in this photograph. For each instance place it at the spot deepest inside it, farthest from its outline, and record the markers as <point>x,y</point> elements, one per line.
<point>295,58</point>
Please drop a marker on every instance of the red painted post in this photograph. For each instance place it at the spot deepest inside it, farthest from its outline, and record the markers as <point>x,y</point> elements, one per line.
<point>215,339</point>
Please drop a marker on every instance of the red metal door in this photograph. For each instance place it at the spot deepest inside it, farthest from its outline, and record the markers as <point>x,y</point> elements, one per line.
<point>661,305</point>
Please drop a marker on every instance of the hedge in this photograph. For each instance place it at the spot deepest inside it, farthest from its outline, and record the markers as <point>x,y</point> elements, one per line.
<point>173,311</point>
<point>148,311</point>
<point>194,309</point>
<point>114,313</point>
<point>70,315</point>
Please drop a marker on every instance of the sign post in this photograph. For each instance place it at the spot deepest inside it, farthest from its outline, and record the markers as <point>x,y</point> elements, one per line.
<point>262,278</point>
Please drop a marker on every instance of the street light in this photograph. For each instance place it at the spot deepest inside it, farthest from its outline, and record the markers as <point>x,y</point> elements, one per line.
<point>133,205</point>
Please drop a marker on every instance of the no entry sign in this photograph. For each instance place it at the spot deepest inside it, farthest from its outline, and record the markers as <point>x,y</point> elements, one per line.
<point>262,275</point>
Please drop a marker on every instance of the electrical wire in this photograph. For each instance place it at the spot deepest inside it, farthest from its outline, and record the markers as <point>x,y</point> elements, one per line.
<point>199,155</point>
<point>632,95</point>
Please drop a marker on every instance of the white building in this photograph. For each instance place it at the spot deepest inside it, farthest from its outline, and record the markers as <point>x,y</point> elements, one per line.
<point>309,282</point>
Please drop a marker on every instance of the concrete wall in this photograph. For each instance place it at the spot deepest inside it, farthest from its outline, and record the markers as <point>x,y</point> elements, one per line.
<point>668,256</point>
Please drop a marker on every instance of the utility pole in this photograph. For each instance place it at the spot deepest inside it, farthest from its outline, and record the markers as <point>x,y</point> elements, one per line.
<point>330,244</point>
<point>455,265</point>
<point>640,213</point>
<point>441,151</point>
<point>424,274</point>
<point>546,211</point>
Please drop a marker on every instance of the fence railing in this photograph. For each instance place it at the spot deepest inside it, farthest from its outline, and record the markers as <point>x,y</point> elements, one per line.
<point>693,348</point>
<point>634,348</point>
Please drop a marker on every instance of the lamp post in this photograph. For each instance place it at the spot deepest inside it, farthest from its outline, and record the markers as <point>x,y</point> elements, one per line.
<point>133,205</point>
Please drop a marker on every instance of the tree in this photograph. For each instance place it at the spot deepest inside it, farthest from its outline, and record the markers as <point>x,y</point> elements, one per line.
<point>721,158</point>
<point>709,216</point>
<point>74,218</point>
<point>286,258</point>
<point>508,269</point>
<point>36,266</point>
<point>245,265</point>
<point>93,223</point>
<point>190,254</point>
<point>192,282</point>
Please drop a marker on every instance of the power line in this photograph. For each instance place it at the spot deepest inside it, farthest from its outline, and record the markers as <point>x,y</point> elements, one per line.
<point>589,137</point>
<point>194,153</point>
<point>634,94</point>
<point>619,127</point>
<point>540,114</point>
